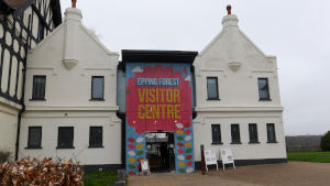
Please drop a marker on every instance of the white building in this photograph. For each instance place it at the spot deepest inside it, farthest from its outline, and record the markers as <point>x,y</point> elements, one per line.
<point>60,102</point>
<point>244,93</point>
<point>81,103</point>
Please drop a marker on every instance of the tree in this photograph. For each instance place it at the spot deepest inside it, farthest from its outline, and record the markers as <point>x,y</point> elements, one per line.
<point>325,142</point>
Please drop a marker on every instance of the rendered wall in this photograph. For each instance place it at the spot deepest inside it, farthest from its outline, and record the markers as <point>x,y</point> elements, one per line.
<point>237,63</point>
<point>69,57</point>
<point>245,150</point>
<point>8,129</point>
<point>81,121</point>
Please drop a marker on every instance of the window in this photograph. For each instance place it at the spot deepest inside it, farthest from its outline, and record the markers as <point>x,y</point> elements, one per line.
<point>97,87</point>
<point>34,137</point>
<point>41,32</point>
<point>65,137</point>
<point>95,137</point>
<point>39,85</point>
<point>263,89</point>
<point>271,133</point>
<point>235,134</point>
<point>216,134</point>
<point>253,132</point>
<point>212,88</point>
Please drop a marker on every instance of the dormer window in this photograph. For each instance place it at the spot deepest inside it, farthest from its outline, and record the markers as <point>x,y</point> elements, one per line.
<point>97,88</point>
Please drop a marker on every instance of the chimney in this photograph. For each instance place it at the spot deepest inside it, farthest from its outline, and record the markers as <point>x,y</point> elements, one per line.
<point>72,23</point>
<point>229,20</point>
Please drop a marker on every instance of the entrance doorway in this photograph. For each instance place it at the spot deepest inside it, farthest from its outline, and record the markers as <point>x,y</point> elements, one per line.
<point>160,151</point>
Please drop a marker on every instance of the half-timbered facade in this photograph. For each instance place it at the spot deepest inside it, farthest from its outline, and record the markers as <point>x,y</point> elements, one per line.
<point>23,24</point>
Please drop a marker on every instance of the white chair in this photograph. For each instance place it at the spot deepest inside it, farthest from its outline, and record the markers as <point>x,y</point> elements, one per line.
<point>227,157</point>
<point>210,158</point>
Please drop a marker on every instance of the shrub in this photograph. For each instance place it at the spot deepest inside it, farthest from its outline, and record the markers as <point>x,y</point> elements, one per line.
<point>44,172</point>
<point>325,142</point>
<point>4,156</point>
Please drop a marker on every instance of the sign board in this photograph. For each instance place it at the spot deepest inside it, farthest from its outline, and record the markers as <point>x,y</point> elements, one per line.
<point>210,158</point>
<point>227,157</point>
<point>159,98</point>
<point>145,166</point>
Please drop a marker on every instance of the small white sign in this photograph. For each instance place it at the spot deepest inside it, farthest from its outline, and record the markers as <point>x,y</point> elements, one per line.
<point>210,158</point>
<point>226,156</point>
<point>145,166</point>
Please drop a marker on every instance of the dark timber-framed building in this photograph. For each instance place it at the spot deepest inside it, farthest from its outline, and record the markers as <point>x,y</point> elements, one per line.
<point>23,24</point>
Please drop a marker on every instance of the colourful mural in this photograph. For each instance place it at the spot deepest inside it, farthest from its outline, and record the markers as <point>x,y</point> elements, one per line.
<point>158,98</point>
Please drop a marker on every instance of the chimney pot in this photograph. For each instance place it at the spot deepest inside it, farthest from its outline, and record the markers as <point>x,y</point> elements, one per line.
<point>74,3</point>
<point>229,9</point>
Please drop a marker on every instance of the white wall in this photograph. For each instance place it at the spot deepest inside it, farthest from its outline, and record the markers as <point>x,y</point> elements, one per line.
<point>69,57</point>
<point>81,121</point>
<point>244,151</point>
<point>8,128</point>
<point>237,63</point>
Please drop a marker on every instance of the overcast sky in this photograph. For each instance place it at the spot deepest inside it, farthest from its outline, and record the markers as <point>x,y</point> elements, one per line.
<point>296,31</point>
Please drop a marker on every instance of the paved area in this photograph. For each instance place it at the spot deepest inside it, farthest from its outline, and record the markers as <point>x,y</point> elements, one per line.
<point>288,174</point>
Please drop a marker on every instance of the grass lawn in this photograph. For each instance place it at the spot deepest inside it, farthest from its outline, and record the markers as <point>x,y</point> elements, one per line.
<point>105,178</point>
<point>322,157</point>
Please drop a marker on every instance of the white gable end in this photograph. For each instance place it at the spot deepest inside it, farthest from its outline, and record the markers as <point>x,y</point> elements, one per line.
<point>69,57</point>
<point>232,46</point>
<point>237,63</point>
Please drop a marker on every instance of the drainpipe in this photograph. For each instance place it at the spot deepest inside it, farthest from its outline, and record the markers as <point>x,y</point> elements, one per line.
<point>18,132</point>
<point>19,117</point>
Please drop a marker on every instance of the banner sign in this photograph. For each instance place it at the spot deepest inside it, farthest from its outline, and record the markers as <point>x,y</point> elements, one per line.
<point>159,98</point>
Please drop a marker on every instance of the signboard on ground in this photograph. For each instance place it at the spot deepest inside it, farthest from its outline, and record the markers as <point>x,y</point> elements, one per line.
<point>210,158</point>
<point>226,157</point>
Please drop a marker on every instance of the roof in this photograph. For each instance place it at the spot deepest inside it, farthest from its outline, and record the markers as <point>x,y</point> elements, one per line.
<point>158,56</point>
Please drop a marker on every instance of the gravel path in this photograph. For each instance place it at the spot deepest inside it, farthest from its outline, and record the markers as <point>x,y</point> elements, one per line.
<point>287,174</point>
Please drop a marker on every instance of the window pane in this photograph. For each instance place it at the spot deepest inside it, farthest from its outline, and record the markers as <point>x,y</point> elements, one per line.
<point>39,87</point>
<point>97,87</point>
<point>34,137</point>
<point>216,133</point>
<point>95,136</point>
<point>235,133</point>
<point>253,133</point>
<point>65,137</point>
<point>263,88</point>
<point>271,132</point>
<point>212,88</point>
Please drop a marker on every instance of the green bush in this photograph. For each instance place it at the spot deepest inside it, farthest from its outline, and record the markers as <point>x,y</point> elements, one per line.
<point>325,142</point>
<point>4,156</point>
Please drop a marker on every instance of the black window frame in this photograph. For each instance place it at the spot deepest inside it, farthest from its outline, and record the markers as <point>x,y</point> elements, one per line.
<point>214,141</point>
<point>253,138</point>
<point>95,145</point>
<point>29,144</point>
<point>233,139</point>
<point>259,90</point>
<point>59,138</point>
<point>92,88</point>
<point>217,88</point>
<point>269,140</point>
<point>34,87</point>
